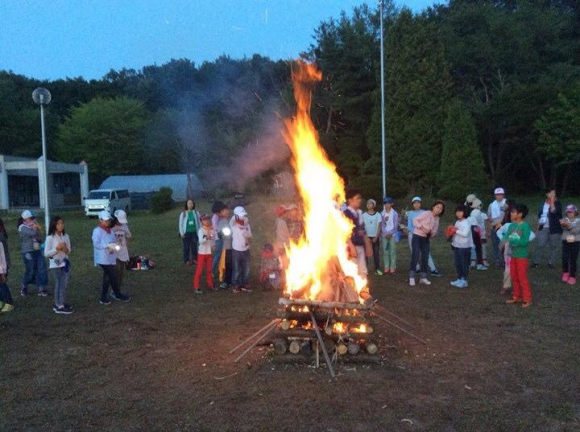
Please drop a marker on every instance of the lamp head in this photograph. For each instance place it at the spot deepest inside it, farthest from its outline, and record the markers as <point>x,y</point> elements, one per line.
<point>41,96</point>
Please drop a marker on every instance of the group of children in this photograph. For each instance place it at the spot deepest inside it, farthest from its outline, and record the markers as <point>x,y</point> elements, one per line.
<point>217,244</point>
<point>110,253</point>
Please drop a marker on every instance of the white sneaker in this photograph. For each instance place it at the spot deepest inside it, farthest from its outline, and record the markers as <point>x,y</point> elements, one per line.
<point>412,282</point>
<point>456,282</point>
<point>481,267</point>
<point>424,281</point>
<point>462,284</point>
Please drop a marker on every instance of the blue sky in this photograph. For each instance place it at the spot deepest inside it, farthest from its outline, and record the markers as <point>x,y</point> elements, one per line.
<point>50,39</point>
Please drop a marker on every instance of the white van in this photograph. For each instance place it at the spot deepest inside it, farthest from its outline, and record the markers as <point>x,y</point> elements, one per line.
<point>107,199</point>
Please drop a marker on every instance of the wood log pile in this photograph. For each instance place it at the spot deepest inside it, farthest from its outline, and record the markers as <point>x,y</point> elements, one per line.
<point>345,330</point>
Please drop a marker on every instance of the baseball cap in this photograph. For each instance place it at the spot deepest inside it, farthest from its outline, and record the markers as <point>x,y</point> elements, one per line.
<point>417,198</point>
<point>121,216</point>
<point>470,198</point>
<point>26,214</point>
<point>571,209</point>
<point>240,211</point>
<point>104,215</point>
<point>499,191</point>
<point>389,200</point>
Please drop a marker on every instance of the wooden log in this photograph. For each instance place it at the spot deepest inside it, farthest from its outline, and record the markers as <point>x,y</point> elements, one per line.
<point>341,349</point>
<point>322,316</point>
<point>294,347</point>
<point>371,347</point>
<point>321,304</point>
<point>285,324</point>
<point>280,346</point>
<point>353,348</point>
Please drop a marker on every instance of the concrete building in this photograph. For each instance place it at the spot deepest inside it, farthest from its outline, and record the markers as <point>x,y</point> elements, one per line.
<point>21,179</point>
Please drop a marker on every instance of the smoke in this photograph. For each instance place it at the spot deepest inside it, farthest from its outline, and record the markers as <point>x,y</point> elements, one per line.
<point>228,128</point>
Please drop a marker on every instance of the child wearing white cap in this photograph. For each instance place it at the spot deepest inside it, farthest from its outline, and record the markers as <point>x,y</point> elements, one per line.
<point>105,248</point>
<point>495,216</point>
<point>30,234</point>
<point>122,235</point>
<point>241,236</point>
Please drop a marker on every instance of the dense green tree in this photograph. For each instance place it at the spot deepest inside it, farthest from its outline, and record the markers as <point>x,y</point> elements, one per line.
<point>418,87</point>
<point>106,133</point>
<point>462,167</point>
<point>559,135</point>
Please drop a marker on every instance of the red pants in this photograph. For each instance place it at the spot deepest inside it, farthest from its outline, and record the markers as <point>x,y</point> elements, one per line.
<point>519,275</point>
<point>203,261</point>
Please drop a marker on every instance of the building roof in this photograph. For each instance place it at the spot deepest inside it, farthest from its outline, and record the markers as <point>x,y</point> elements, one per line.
<point>152,183</point>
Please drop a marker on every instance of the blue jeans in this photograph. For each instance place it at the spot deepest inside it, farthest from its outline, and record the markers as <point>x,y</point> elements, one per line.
<point>35,270</point>
<point>219,244</point>
<point>241,268</point>
<point>5,296</point>
<point>60,283</point>
<point>419,255</point>
<point>462,257</point>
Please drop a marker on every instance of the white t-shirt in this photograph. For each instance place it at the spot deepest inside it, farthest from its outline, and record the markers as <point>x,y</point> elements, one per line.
<point>122,233</point>
<point>240,236</point>
<point>205,244</point>
<point>544,219</point>
<point>372,223</point>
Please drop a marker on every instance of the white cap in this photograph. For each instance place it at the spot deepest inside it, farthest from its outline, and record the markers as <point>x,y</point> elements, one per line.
<point>240,211</point>
<point>499,191</point>
<point>476,203</point>
<point>104,215</point>
<point>417,198</point>
<point>121,216</point>
<point>26,214</point>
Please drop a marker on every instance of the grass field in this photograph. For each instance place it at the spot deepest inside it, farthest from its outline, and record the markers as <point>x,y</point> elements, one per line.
<point>161,362</point>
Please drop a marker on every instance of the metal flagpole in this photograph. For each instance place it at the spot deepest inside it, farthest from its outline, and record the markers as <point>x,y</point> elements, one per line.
<point>45,165</point>
<point>383,140</point>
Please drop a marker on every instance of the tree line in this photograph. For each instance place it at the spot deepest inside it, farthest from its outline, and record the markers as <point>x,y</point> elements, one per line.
<point>478,93</point>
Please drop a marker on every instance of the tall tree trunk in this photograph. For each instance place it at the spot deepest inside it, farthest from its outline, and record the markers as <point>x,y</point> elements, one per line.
<point>566,179</point>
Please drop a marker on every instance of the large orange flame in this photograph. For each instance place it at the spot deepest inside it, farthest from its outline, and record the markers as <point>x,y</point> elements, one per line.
<point>311,269</point>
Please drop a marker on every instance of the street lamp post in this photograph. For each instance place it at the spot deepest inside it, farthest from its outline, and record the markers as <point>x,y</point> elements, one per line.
<point>42,97</point>
<point>383,139</point>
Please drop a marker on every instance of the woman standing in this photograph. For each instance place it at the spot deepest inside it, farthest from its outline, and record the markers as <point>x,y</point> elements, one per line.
<point>30,234</point>
<point>425,226</point>
<point>189,224</point>
<point>57,249</point>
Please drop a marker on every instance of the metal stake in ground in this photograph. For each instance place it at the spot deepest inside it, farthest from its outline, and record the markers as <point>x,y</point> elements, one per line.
<point>399,328</point>
<point>322,346</point>
<point>274,322</point>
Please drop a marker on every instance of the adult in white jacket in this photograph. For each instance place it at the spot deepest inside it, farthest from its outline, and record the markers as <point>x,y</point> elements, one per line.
<point>57,249</point>
<point>7,304</point>
<point>189,225</point>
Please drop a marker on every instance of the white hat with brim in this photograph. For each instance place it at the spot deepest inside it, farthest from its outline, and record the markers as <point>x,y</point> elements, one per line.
<point>26,214</point>
<point>240,211</point>
<point>121,216</point>
<point>499,191</point>
<point>417,198</point>
<point>476,203</point>
<point>104,215</point>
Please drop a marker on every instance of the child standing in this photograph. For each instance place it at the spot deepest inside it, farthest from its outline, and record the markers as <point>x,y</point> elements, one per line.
<point>206,240</point>
<point>7,304</point>
<point>372,223</point>
<point>30,234</point>
<point>57,248</point>
<point>225,262</point>
<point>389,228</point>
<point>104,248</point>
<point>476,220</point>
<point>518,237</point>
<point>241,235</point>
<point>122,235</point>
<point>570,244</point>
<point>216,208</point>
<point>425,227</point>
<point>462,243</point>
<point>4,241</point>
<point>417,203</point>
<point>358,236</point>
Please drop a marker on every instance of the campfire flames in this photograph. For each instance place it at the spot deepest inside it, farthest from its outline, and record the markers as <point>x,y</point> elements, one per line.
<point>319,265</point>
